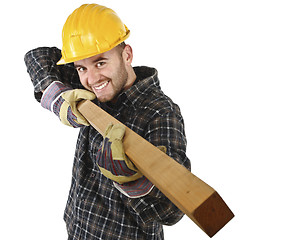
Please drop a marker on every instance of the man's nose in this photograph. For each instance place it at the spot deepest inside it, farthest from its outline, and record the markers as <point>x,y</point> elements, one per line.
<point>92,76</point>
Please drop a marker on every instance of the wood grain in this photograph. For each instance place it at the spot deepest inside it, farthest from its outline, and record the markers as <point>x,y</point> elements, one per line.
<point>191,195</point>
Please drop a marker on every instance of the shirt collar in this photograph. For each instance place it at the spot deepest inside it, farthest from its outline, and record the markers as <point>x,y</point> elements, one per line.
<point>147,78</point>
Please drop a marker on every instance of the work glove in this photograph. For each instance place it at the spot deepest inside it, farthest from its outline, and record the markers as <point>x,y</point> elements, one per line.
<point>112,160</point>
<point>63,100</point>
<point>115,165</point>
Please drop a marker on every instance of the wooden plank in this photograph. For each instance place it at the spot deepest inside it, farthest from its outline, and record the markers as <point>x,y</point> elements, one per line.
<point>191,195</point>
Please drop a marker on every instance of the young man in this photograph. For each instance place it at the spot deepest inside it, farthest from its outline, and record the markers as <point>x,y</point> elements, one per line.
<point>109,198</point>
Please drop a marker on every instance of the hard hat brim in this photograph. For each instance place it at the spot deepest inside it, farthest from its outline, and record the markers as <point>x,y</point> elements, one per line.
<point>63,61</point>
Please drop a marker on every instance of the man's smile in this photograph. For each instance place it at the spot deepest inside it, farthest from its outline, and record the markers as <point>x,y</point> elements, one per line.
<point>100,86</point>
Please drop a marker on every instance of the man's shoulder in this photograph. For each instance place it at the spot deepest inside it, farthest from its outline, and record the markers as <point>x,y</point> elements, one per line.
<point>147,95</point>
<point>156,102</point>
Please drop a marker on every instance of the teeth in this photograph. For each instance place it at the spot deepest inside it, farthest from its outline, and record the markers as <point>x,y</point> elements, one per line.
<point>101,86</point>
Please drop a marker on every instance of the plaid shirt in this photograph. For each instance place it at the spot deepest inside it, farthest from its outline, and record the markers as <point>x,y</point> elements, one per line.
<point>95,208</point>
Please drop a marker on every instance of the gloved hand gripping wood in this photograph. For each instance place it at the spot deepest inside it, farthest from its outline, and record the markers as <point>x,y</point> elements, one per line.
<point>115,165</point>
<point>112,160</point>
<point>63,100</point>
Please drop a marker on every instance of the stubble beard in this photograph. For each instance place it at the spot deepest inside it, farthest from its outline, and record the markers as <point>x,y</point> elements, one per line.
<point>118,84</point>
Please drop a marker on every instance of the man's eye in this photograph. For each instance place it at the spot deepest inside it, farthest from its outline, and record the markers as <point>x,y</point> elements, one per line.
<point>80,69</point>
<point>100,64</point>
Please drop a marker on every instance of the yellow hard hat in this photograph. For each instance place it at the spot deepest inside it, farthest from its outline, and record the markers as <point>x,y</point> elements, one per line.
<point>90,30</point>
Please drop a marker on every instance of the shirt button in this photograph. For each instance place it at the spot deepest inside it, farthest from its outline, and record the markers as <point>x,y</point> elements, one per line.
<point>92,175</point>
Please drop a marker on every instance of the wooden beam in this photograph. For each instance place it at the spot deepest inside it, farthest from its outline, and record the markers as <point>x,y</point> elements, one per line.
<point>191,195</point>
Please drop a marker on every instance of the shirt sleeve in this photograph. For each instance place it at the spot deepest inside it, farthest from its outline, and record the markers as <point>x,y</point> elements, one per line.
<point>168,131</point>
<point>42,68</point>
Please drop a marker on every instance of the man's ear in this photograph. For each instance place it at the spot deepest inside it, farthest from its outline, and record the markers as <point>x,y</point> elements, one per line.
<point>128,54</point>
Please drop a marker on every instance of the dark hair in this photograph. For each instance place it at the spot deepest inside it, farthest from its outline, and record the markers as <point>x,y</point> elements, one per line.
<point>122,45</point>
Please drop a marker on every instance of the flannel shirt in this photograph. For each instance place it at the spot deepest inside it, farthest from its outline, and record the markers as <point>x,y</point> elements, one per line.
<point>95,208</point>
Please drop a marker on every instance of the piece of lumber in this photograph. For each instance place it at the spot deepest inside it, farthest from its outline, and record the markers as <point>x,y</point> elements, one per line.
<point>191,195</point>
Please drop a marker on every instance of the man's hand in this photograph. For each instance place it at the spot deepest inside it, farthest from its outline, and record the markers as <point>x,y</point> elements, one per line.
<point>63,101</point>
<point>115,165</point>
<point>112,160</point>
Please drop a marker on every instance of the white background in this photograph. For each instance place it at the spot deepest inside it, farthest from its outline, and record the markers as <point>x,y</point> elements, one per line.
<point>228,66</point>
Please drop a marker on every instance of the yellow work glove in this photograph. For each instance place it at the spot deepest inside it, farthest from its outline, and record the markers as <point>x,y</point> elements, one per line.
<point>68,110</point>
<point>112,160</point>
<point>115,165</point>
<point>62,100</point>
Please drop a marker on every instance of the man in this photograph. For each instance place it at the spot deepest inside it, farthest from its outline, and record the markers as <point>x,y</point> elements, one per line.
<point>109,198</point>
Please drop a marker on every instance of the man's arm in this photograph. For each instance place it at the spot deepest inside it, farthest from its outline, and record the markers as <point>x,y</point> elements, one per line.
<point>168,131</point>
<point>54,85</point>
<point>43,70</point>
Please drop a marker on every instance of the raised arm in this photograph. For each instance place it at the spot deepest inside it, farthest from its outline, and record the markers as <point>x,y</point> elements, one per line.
<point>57,87</point>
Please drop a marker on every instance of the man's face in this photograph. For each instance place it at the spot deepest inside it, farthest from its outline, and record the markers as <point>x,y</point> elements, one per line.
<point>104,74</point>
